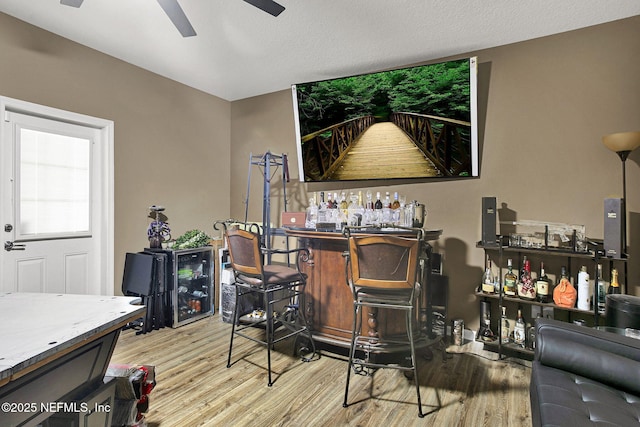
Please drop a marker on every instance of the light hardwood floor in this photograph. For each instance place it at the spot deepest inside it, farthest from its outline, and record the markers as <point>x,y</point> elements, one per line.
<point>195,388</point>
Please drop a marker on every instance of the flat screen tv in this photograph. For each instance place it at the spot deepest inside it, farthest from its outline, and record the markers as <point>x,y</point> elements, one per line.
<point>416,122</point>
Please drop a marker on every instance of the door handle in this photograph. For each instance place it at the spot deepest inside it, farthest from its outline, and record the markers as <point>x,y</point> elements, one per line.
<point>10,246</point>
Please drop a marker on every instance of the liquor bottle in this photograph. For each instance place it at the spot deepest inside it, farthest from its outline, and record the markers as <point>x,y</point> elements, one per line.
<point>526,288</point>
<point>614,287</point>
<point>510,280</point>
<point>344,204</point>
<point>564,294</point>
<point>322,209</point>
<point>531,335</point>
<point>504,332</point>
<point>543,285</point>
<point>485,333</point>
<point>519,330</point>
<point>312,214</point>
<point>396,202</point>
<point>369,204</point>
<point>353,201</point>
<point>387,200</point>
<point>583,289</point>
<point>488,286</point>
<point>378,204</point>
<point>602,291</point>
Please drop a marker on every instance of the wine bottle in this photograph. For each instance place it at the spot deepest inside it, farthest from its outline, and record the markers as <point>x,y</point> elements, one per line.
<point>378,204</point>
<point>614,287</point>
<point>504,332</point>
<point>526,289</point>
<point>519,332</point>
<point>510,280</point>
<point>543,285</point>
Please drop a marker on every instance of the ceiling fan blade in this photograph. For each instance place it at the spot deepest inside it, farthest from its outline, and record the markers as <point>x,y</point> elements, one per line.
<point>177,16</point>
<point>73,3</point>
<point>268,6</point>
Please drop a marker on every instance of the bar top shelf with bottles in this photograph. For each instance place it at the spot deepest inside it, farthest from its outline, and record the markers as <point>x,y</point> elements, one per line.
<point>339,210</point>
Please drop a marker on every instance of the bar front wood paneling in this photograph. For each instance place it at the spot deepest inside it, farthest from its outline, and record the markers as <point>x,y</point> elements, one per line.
<point>329,301</point>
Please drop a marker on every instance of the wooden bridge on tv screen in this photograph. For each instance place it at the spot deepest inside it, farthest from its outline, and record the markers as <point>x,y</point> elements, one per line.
<point>408,146</point>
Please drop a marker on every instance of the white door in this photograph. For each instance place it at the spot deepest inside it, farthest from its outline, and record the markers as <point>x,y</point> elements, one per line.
<point>53,211</point>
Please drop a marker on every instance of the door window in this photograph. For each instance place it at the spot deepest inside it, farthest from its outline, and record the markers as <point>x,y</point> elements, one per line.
<point>54,185</point>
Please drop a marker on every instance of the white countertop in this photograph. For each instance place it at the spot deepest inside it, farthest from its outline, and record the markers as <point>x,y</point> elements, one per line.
<point>34,327</point>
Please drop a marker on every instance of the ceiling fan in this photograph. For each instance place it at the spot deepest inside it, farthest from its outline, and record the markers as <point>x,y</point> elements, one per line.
<point>180,20</point>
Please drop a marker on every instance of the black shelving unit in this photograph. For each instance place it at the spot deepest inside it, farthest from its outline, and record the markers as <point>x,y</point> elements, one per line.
<point>595,255</point>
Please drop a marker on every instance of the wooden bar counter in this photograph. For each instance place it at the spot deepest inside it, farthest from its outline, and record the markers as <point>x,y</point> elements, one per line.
<point>328,298</point>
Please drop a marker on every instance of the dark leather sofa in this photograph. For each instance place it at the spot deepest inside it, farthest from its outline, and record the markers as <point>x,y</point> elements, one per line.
<point>582,376</point>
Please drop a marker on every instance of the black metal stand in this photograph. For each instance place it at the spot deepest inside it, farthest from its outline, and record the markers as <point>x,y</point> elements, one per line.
<point>268,164</point>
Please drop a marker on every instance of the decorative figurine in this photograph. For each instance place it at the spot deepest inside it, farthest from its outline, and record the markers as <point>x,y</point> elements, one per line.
<point>158,230</point>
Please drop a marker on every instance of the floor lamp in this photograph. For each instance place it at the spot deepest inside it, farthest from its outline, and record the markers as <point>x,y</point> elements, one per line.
<point>623,144</point>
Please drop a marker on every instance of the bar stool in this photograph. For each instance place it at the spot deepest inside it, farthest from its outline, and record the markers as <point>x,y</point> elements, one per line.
<point>276,285</point>
<point>382,273</point>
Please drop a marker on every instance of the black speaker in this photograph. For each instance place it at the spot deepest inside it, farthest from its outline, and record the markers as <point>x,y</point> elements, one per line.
<point>613,228</point>
<point>489,221</point>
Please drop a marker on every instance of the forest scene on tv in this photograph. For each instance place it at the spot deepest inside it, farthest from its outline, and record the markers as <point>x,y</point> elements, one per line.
<point>428,107</point>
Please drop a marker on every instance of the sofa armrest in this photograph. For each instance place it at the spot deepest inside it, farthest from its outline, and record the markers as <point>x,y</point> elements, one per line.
<point>602,356</point>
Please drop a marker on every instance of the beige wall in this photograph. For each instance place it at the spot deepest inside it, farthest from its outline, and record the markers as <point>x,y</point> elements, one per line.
<point>171,141</point>
<point>544,106</point>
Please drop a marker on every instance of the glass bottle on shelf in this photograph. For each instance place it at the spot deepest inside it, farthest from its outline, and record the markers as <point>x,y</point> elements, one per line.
<point>369,204</point>
<point>602,290</point>
<point>543,286</point>
<point>531,335</point>
<point>312,214</point>
<point>396,203</point>
<point>486,334</point>
<point>510,280</point>
<point>505,327</point>
<point>526,289</point>
<point>378,203</point>
<point>344,204</point>
<point>488,287</point>
<point>322,209</point>
<point>387,200</point>
<point>614,287</point>
<point>329,201</point>
<point>564,294</point>
<point>583,289</point>
<point>519,330</point>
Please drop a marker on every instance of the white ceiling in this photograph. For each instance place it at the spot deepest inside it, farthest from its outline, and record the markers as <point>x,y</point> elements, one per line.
<point>241,51</point>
